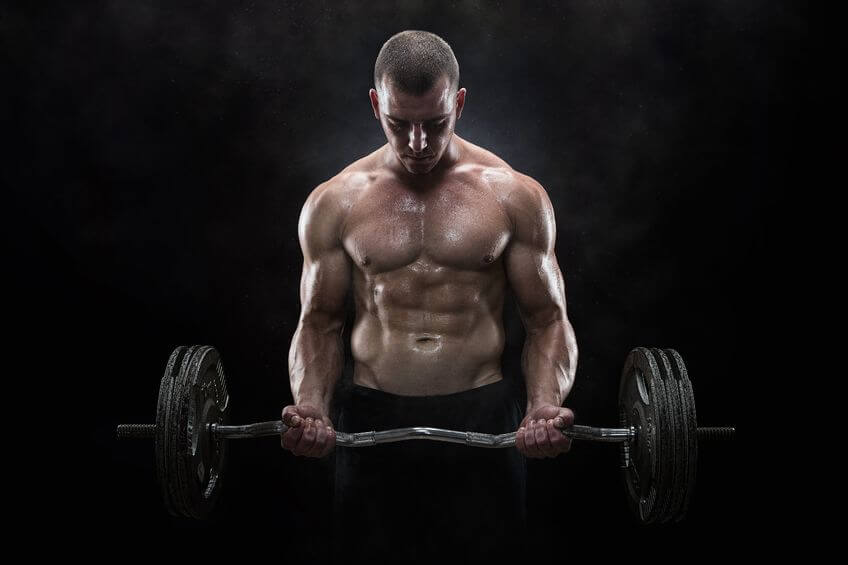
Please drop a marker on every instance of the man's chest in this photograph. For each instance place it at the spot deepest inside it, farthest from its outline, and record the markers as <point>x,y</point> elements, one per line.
<point>458,226</point>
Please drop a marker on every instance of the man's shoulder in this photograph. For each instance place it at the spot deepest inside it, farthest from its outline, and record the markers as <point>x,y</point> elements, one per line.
<point>523,199</point>
<point>500,175</point>
<point>338,193</point>
<point>517,192</point>
<point>348,183</point>
<point>327,206</point>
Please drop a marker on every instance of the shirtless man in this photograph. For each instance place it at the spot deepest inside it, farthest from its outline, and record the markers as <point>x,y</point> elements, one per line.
<point>428,231</point>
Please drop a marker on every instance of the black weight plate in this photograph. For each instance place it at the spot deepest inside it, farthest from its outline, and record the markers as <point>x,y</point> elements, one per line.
<point>202,463</point>
<point>641,403</point>
<point>210,454</point>
<point>177,437</point>
<point>691,427</point>
<point>663,438</point>
<point>675,458</point>
<point>161,434</point>
<point>683,435</point>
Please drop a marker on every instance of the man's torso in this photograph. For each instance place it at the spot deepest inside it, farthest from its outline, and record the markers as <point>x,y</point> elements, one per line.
<point>428,273</point>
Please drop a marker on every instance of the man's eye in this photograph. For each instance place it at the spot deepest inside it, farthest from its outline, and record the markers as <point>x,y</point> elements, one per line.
<point>440,123</point>
<point>395,125</point>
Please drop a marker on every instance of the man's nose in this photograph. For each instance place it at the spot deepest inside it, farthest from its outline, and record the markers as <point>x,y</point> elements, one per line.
<point>417,138</point>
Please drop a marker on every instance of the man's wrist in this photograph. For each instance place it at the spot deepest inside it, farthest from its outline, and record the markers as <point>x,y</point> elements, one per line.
<point>540,401</point>
<point>318,402</point>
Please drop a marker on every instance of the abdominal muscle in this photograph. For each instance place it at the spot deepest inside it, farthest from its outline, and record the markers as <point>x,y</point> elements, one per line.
<point>433,341</point>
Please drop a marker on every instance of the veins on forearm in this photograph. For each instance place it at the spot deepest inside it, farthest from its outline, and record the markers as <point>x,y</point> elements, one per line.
<point>549,362</point>
<point>315,364</point>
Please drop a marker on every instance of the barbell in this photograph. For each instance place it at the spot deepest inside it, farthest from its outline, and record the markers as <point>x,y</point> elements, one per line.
<point>658,434</point>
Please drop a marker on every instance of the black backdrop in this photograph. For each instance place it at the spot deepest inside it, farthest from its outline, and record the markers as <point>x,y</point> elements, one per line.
<point>164,152</point>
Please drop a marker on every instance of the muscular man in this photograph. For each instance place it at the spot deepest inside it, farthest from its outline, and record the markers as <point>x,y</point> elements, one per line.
<point>428,231</point>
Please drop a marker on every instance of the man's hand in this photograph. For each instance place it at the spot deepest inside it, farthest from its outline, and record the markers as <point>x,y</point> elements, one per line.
<point>540,434</point>
<point>310,431</point>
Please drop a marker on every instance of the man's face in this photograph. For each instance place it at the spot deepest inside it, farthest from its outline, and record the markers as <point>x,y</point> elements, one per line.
<point>418,128</point>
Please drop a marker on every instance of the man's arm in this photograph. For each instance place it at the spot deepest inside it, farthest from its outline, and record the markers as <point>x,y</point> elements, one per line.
<point>549,358</point>
<point>316,357</point>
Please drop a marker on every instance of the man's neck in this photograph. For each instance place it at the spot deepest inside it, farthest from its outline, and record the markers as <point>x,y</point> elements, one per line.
<point>450,157</point>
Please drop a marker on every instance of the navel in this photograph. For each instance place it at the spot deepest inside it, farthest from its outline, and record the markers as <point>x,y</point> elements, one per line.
<point>427,343</point>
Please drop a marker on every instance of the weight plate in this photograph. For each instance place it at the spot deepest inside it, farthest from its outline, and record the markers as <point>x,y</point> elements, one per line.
<point>177,437</point>
<point>207,402</point>
<point>161,433</point>
<point>663,437</point>
<point>641,403</point>
<point>674,458</point>
<point>690,427</point>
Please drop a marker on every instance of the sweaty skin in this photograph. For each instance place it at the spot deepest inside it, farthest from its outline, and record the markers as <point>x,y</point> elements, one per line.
<point>428,248</point>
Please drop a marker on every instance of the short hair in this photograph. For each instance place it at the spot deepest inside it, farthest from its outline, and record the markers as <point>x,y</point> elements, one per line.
<point>414,61</point>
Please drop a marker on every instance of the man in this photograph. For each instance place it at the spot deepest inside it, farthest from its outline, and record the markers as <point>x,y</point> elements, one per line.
<point>429,231</point>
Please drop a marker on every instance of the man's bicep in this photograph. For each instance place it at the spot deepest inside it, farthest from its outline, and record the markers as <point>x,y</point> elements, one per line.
<point>531,264</point>
<point>537,283</point>
<point>324,285</point>
<point>326,272</point>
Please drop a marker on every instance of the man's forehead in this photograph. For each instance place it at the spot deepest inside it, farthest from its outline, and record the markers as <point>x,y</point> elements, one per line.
<point>436,101</point>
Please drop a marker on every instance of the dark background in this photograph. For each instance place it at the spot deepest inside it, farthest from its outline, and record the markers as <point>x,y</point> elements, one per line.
<point>160,157</point>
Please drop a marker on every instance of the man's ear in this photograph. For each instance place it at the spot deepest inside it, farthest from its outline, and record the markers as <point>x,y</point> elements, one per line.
<point>460,102</point>
<point>375,103</point>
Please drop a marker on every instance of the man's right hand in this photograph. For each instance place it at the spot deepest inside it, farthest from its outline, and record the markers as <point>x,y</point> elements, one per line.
<point>310,432</point>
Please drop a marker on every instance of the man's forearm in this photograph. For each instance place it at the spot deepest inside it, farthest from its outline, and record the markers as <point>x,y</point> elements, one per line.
<point>316,361</point>
<point>549,363</point>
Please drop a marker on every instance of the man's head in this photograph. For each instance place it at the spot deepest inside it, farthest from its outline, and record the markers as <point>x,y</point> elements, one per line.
<point>415,97</point>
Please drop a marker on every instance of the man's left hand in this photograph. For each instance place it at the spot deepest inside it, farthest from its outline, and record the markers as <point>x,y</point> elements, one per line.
<point>540,434</point>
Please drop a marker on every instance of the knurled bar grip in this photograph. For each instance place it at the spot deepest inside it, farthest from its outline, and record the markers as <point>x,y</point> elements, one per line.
<point>136,431</point>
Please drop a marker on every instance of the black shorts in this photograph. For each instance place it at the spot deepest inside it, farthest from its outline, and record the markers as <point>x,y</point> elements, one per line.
<point>421,500</point>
